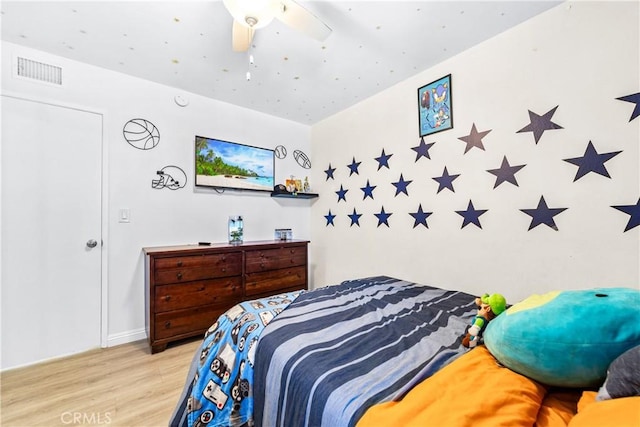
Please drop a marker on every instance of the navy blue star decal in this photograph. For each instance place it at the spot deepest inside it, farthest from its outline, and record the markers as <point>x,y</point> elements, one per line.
<point>341,194</point>
<point>383,217</point>
<point>401,186</point>
<point>506,172</point>
<point>592,162</point>
<point>353,167</point>
<point>368,190</point>
<point>474,139</point>
<point>540,123</point>
<point>634,214</point>
<point>422,149</point>
<point>355,218</point>
<point>330,172</point>
<point>420,217</point>
<point>330,218</point>
<point>471,215</point>
<point>634,98</point>
<point>543,215</point>
<point>383,160</point>
<point>446,181</point>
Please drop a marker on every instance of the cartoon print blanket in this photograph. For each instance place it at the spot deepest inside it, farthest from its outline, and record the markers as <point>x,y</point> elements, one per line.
<point>219,389</point>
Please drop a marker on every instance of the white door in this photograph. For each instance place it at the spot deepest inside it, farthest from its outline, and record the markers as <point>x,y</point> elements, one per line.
<point>51,215</point>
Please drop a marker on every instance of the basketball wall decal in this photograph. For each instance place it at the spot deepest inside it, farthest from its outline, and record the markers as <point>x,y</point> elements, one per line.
<point>302,159</point>
<point>280,152</point>
<point>141,134</point>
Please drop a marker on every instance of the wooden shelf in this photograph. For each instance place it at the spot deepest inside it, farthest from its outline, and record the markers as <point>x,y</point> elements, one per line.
<point>295,195</point>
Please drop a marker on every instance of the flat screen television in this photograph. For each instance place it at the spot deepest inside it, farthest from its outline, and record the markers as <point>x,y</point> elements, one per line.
<point>224,164</point>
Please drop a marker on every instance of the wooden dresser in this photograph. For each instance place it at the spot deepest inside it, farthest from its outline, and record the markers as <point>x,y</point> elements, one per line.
<point>189,286</point>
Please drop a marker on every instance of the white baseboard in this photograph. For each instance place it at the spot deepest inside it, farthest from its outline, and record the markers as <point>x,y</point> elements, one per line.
<point>126,337</point>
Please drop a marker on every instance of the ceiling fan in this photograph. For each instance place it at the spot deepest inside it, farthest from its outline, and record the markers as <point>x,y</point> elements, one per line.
<point>250,15</point>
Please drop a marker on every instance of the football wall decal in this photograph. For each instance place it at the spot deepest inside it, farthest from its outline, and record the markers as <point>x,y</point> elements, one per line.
<point>302,159</point>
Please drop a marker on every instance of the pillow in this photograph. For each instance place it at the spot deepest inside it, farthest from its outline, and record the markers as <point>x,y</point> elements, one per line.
<point>623,412</point>
<point>623,376</point>
<point>568,338</point>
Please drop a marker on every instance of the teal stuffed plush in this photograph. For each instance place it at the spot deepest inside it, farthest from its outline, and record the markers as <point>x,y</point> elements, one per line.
<point>568,338</point>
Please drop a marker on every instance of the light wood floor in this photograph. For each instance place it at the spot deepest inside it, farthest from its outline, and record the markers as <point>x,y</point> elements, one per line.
<point>118,386</point>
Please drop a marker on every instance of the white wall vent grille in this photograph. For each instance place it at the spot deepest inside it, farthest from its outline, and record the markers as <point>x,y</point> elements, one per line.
<point>39,71</point>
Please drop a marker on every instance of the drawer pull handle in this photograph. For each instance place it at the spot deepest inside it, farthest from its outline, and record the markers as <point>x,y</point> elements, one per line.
<point>261,265</point>
<point>179,276</point>
<point>179,263</point>
<point>167,297</point>
<point>167,325</point>
<point>201,288</point>
<point>224,258</point>
<point>224,269</point>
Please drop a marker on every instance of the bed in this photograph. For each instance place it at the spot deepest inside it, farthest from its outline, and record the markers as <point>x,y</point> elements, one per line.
<point>368,352</point>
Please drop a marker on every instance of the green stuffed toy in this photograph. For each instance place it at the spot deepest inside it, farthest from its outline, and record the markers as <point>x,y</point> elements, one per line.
<point>490,306</point>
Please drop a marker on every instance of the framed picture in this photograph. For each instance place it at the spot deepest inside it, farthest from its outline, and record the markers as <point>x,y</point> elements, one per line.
<point>435,106</point>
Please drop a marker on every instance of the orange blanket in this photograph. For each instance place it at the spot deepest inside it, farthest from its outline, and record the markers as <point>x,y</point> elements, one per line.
<point>475,390</point>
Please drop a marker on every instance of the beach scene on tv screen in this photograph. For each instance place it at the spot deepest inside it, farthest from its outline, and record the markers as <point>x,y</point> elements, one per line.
<point>231,165</point>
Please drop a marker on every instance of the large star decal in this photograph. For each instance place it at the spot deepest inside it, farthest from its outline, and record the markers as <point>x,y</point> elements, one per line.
<point>592,162</point>
<point>342,193</point>
<point>446,180</point>
<point>422,150</point>
<point>634,214</point>
<point>353,167</point>
<point>383,160</point>
<point>474,139</point>
<point>471,215</point>
<point>368,190</point>
<point>543,215</point>
<point>539,124</point>
<point>634,98</point>
<point>330,218</point>
<point>420,217</point>
<point>383,217</point>
<point>355,218</point>
<point>506,173</point>
<point>401,185</point>
<point>330,172</point>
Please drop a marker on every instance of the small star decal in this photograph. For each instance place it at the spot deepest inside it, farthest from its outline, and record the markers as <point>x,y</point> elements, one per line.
<point>401,185</point>
<point>342,194</point>
<point>446,180</point>
<point>592,162</point>
<point>355,218</point>
<point>368,190</point>
<point>506,173</point>
<point>330,218</point>
<point>540,123</point>
<point>634,214</point>
<point>634,98</point>
<point>422,150</point>
<point>330,172</point>
<point>420,217</point>
<point>383,160</point>
<point>474,139</point>
<point>543,215</point>
<point>383,217</point>
<point>353,167</point>
<point>471,215</point>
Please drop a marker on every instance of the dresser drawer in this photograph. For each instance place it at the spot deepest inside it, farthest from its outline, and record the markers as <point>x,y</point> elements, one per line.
<point>187,268</point>
<point>276,280</point>
<point>187,322</point>
<point>271,259</point>
<point>201,292</point>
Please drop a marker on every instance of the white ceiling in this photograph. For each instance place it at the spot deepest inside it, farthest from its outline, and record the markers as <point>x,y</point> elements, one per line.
<point>187,45</point>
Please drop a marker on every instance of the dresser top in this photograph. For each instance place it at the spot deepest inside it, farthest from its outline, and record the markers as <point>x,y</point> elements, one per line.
<point>195,247</point>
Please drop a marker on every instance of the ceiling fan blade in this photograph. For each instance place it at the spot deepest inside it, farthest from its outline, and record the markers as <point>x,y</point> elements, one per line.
<point>241,37</point>
<point>301,19</point>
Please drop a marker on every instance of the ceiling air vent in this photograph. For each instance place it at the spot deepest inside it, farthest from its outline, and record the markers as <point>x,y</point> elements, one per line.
<point>39,71</point>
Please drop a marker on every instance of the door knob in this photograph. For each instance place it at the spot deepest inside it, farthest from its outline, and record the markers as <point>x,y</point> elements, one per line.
<point>92,243</point>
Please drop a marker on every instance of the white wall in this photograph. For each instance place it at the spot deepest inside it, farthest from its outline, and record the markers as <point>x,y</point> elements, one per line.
<point>577,56</point>
<point>164,217</point>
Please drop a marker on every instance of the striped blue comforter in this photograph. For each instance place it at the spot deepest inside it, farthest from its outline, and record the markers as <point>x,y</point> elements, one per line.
<point>336,351</point>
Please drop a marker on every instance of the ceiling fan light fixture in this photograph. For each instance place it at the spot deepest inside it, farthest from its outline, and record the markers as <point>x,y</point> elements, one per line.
<point>252,13</point>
